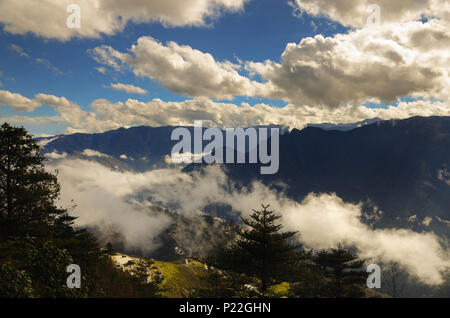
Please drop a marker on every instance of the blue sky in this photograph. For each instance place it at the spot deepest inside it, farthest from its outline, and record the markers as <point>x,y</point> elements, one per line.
<point>63,68</point>
<point>259,33</point>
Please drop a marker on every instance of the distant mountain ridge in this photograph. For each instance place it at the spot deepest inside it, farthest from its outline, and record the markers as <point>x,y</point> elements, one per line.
<point>401,166</point>
<point>143,148</point>
<point>138,148</point>
<point>346,127</point>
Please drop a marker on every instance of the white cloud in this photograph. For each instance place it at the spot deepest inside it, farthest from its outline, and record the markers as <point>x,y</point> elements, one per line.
<point>383,63</point>
<point>131,89</point>
<point>160,113</point>
<point>106,115</point>
<point>56,155</point>
<point>17,101</point>
<point>427,221</point>
<point>46,141</point>
<point>181,69</point>
<point>324,220</point>
<point>386,63</point>
<point>93,153</point>
<point>70,113</point>
<point>18,120</point>
<point>101,69</point>
<point>356,12</point>
<point>108,56</point>
<point>48,18</point>
<point>183,158</point>
<point>102,201</point>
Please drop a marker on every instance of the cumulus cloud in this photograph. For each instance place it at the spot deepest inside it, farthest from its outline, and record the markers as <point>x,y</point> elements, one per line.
<point>318,78</point>
<point>386,63</point>
<point>38,121</point>
<point>324,220</point>
<point>48,19</point>
<point>356,12</point>
<point>71,113</point>
<point>17,101</point>
<point>160,113</point>
<point>181,69</point>
<point>109,57</point>
<point>106,115</point>
<point>131,89</point>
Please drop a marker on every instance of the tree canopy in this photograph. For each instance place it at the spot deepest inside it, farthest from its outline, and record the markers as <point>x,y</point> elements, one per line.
<point>262,250</point>
<point>38,239</point>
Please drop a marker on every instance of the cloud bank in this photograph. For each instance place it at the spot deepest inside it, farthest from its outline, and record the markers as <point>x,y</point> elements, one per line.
<point>403,63</point>
<point>102,199</point>
<point>356,12</point>
<point>180,69</point>
<point>48,18</point>
<point>107,115</point>
<point>17,101</point>
<point>384,63</point>
<point>324,220</point>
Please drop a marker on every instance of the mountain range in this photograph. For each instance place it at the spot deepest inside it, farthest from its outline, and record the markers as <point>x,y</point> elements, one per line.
<point>400,167</point>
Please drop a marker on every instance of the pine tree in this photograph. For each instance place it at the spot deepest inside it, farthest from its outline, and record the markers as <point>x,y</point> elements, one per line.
<point>27,191</point>
<point>38,240</point>
<point>343,271</point>
<point>309,278</point>
<point>394,280</point>
<point>261,249</point>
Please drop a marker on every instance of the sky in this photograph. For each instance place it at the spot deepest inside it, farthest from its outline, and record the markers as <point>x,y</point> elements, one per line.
<point>231,63</point>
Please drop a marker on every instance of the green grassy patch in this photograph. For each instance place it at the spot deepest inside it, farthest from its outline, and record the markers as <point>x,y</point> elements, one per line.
<point>179,278</point>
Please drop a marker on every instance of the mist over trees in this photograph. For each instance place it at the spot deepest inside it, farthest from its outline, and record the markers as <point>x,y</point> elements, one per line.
<point>39,239</point>
<point>270,256</point>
